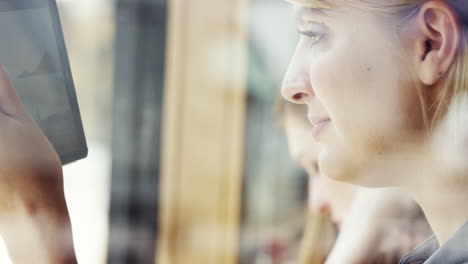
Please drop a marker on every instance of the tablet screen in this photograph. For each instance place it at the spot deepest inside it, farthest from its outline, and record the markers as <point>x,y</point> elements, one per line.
<point>30,51</point>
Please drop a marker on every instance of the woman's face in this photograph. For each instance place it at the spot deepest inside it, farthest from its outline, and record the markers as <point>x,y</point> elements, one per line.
<point>349,70</point>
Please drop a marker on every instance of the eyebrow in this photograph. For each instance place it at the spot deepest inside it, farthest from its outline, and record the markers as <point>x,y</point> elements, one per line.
<point>303,11</point>
<point>302,14</point>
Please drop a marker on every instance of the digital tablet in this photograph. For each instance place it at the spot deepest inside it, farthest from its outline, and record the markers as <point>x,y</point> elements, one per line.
<point>32,50</point>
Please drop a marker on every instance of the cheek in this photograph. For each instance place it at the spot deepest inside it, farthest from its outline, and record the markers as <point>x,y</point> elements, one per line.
<point>365,91</point>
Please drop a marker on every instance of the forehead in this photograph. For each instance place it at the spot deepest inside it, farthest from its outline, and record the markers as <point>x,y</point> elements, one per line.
<point>344,18</point>
<point>305,13</point>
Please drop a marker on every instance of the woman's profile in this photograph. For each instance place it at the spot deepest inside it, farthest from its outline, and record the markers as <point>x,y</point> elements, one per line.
<point>384,83</point>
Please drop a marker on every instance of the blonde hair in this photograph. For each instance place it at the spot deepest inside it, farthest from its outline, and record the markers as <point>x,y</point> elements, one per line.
<point>456,79</point>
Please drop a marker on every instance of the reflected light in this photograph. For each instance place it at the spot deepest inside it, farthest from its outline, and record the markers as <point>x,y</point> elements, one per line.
<point>4,257</point>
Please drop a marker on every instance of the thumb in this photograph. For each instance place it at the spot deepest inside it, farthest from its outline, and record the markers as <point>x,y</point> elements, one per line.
<point>10,103</point>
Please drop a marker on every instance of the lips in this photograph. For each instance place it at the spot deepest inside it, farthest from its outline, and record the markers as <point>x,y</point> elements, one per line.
<point>318,124</point>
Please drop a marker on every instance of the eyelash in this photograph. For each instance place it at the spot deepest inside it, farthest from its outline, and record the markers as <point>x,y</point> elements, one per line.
<point>314,36</point>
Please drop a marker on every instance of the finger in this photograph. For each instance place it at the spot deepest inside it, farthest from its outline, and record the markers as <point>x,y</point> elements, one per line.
<point>10,103</point>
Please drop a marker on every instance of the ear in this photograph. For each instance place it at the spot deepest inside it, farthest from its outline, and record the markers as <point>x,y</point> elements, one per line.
<point>436,42</point>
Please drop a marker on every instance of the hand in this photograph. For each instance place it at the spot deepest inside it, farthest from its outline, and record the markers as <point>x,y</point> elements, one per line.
<point>34,219</point>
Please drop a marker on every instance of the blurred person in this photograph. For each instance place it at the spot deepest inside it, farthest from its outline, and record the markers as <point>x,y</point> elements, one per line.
<point>385,83</point>
<point>326,196</point>
<point>34,219</point>
<point>376,226</point>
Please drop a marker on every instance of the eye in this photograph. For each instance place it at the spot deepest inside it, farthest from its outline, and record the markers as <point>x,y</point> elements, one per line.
<point>314,31</point>
<point>313,36</point>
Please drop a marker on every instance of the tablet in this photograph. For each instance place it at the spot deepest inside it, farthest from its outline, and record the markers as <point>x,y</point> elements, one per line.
<point>32,50</point>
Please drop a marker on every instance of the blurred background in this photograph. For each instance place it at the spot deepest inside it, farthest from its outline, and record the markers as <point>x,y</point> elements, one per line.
<point>187,163</point>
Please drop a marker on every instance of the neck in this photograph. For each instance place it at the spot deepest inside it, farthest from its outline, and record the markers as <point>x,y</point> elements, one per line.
<point>442,195</point>
<point>438,183</point>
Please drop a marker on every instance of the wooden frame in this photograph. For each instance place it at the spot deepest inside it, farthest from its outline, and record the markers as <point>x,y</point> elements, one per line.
<point>203,132</point>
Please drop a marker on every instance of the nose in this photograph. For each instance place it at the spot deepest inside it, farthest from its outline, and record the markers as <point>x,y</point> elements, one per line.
<point>318,201</point>
<point>296,86</point>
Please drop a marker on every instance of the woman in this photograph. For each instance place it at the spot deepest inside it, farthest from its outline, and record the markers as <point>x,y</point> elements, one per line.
<point>385,82</point>
<point>376,226</point>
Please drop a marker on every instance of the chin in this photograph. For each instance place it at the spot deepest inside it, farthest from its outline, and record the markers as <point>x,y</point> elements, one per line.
<point>343,167</point>
<point>333,165</point>
<point>364,172</point>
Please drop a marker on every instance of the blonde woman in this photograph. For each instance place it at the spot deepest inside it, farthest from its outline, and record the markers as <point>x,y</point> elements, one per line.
<point>375,226</point>
<point>385,84</point>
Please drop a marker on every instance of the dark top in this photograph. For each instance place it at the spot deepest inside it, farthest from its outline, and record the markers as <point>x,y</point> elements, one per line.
<point>454,251</point>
